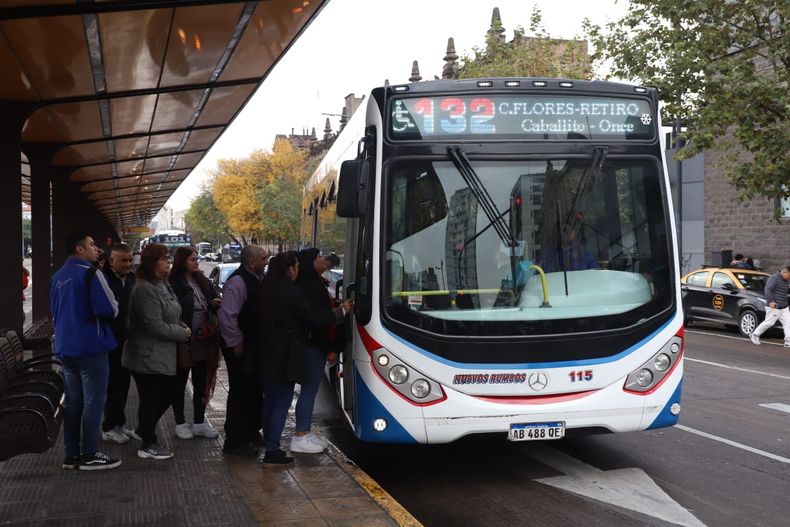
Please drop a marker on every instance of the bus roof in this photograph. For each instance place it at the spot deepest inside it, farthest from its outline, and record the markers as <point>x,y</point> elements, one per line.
<point>344,148</point>
<point>537,83</point>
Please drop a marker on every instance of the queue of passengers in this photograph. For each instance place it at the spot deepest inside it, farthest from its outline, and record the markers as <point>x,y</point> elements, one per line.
<point>165,325</point>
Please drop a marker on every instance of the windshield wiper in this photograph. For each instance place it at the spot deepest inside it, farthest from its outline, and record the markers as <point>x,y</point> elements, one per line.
<point>472,180</point>
<point>586,182</point>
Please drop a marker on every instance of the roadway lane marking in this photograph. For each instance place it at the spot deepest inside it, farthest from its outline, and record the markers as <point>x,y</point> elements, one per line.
<point>698,332</point>
<point>735,444</point>
<point>777,406</point>
<point>628,488</point>
<point>747,370</point>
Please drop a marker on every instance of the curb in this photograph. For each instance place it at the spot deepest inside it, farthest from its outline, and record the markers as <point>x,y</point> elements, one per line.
<point>394,509</point>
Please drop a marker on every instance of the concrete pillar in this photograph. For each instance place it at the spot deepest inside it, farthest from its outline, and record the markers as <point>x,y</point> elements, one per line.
<point>72,211</point>
<point>11,315</point>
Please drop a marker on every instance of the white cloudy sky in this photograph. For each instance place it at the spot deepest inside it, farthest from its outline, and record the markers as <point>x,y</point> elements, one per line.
<point>354,45</point>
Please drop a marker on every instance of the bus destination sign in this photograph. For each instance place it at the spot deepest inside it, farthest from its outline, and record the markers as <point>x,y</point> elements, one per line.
<point>537,117</point>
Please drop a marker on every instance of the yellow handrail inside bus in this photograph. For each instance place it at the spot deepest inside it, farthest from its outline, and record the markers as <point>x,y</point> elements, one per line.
<point>442,292</point>
<point>543,284</point>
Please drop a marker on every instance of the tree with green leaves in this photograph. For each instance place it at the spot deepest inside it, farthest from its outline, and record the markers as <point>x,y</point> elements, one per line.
<point>721,69</point>
<point>204,220</point>
<point>537,55</point>
<point>281,194</point>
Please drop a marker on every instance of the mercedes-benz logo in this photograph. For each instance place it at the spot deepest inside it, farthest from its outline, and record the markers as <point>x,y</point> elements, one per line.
<point>538,381</point>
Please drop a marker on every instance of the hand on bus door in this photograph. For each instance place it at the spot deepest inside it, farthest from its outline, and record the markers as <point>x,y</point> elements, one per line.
<point>347,306</point>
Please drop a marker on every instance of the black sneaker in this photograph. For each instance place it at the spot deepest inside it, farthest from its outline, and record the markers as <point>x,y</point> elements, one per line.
<point>98,461</point>
<point>71,463</point>
<point>276,458</point>
<point>247,450</point>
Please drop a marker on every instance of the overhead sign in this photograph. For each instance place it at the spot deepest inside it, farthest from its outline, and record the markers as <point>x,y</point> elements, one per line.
<point>519,117</point>
<point>136,229</point>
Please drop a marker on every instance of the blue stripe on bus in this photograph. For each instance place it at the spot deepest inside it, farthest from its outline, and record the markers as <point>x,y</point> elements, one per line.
<point>529,365</point>
<point>665,418</point>
<point>367,408</point>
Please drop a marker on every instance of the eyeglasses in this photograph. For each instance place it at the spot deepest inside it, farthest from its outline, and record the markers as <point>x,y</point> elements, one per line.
<point>165,257</point>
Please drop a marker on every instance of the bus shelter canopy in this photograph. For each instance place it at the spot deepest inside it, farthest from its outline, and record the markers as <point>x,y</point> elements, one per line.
<point>129,95</point>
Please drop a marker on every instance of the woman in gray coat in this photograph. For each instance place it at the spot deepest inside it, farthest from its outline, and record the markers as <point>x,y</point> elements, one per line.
<point>154,330</point>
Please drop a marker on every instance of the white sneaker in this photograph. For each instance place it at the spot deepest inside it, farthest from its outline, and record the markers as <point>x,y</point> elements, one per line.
<point>305,445</point>
<point>318,440</point>
<point>204,430</point>
<point>755,339</point>
<point>115,435</point>
<point>131,433</point>
<point>184,431</point>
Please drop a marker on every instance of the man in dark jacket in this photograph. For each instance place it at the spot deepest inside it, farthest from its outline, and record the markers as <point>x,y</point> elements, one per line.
<point>120,278</point>
<point>82,306</point>
<point>240,326</point>
<point>775,306</point>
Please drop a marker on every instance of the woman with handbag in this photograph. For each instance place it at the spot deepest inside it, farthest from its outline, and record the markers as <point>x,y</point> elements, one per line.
<point>199,304</point>
<point>288,315</point>
<point>154,329</point>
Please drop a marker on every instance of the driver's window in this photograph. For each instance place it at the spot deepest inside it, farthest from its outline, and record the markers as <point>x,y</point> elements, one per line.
<point>720,280</point>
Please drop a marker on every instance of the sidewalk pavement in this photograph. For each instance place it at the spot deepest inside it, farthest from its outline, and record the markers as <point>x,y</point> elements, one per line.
<point>199,486</point>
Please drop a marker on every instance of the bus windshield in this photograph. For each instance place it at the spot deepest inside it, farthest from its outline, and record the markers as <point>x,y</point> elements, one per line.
<point>544,246</point>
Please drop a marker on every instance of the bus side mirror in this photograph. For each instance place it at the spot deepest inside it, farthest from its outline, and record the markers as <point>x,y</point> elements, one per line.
<point>352,192</point>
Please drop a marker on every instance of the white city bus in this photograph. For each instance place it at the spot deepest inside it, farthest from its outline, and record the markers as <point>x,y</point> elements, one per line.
<point>510,246</point>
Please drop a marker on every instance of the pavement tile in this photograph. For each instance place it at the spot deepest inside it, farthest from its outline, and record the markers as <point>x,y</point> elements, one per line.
<point>296,509</point>
<point>325,482</point>
<point>346,507</point>
<point>371,520</point>
<point>260,484</point>
<point>312,522</point>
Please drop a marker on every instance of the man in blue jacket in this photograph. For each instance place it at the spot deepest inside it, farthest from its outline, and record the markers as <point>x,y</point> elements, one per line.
<point>82,305</point>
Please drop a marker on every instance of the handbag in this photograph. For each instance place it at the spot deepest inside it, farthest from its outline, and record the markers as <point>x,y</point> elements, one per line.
<point>209,327</point>
<point>184,355</point>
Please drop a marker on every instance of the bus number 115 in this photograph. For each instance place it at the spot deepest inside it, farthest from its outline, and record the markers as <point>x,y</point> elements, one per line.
<point>585,375</point>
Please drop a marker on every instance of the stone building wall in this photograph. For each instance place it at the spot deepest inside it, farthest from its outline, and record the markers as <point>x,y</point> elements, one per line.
<point>748,227</point>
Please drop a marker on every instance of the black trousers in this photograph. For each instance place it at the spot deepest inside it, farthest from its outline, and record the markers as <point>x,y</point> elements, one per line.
<point>198,387</point>
<point>156,394</point>
<point>245,398</point>
<point>117,391</point>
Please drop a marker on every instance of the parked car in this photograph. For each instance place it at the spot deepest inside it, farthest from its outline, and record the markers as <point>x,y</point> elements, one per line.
<point>220,274</point>
<point>734,297</point>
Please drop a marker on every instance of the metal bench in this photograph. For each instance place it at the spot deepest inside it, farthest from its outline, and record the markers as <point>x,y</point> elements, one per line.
<point>31,401</point>
<point>38,336</point>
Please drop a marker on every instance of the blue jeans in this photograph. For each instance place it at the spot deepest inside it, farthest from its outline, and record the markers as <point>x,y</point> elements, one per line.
<point>276,401</point>
<point>316,360</point>
<point>86,392</point>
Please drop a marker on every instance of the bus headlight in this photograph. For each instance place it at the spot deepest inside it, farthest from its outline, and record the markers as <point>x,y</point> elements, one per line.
<point>653,371</point>
<point>644,377</point>
<point>398,374</point>
<point>662,362</point>
<point>420,388</point>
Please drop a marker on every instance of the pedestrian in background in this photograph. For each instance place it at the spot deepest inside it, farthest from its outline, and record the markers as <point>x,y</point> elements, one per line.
<point>287,316</point>
<point>150,352</point>
<point>776,306</point>
<point>317,348</point>
<point>199,304</point>
<point>240,330</point>
<point>119,276</point>
<point>82,305</point>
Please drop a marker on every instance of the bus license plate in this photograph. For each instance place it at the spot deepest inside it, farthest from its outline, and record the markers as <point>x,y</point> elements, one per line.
<point>536,431</point>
